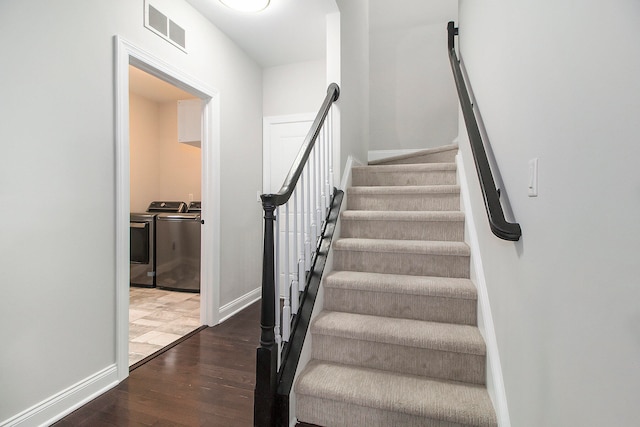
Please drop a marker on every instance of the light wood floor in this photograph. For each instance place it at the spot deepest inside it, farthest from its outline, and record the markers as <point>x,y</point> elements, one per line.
<point>206,380</point>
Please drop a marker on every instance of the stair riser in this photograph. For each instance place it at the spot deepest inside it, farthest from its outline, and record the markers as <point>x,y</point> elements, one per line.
<point>404,202</point>
<point>398,358</point>
<point>402,263</point>
<point>404,230</point>
<point>370,177</point>
<point>386,304</point>
<point>331,413</point>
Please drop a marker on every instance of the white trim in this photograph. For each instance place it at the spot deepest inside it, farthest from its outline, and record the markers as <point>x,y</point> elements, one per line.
<point>495,382</point>
<point>211,230</point>
<point>125,54</point>
<point>345,182</point>
<point>239,304</point>
<point>266,140</point>
<point>60,404</point>
<point>383,154</point>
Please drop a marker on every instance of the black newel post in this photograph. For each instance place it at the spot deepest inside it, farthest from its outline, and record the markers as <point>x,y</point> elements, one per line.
<point>267,357</point>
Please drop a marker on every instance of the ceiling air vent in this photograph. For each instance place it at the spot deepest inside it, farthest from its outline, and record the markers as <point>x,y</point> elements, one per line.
<point>160,24</point>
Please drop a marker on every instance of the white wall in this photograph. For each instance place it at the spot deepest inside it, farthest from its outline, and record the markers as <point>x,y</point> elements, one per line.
<point>413,102</point>
<point>560,83</point>
<point>294,88</point>
<point>144,154</point>
<point>353,103</point>
<point>161,168</point>
<point>180,164</point>
<point>57,251</point>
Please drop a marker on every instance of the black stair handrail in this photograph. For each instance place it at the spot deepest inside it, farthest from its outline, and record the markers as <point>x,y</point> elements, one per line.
<point>267,353</point>
<point>283,196</point>
<point>499,225</point>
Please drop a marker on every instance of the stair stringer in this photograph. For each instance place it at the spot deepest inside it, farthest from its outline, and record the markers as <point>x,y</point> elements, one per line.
<point>305,355</point>
<point>495,382</point>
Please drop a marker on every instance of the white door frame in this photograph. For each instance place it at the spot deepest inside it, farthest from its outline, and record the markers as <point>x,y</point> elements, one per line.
<point>126,54</point>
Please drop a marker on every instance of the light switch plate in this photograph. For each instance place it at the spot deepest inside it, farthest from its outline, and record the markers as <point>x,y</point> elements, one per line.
<point>533,177</point>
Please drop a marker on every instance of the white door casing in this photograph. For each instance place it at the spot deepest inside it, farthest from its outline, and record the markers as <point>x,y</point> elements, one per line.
<point>126,54</point>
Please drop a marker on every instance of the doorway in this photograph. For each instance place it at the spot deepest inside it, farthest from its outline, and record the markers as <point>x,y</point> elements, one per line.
<point>129,55</point>
<point>164,166</point>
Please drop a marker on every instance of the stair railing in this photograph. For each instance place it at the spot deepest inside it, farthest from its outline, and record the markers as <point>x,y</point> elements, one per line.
<point>294,220</point>
<point>499,225</point>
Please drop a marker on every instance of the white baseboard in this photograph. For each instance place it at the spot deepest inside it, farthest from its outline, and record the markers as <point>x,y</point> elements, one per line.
<point>495,382</point>
<point>238,304</point>
<point>383,154</point>
<point>63,403</point>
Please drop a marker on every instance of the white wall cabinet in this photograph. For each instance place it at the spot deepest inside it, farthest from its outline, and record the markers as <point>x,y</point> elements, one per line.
<point>189,121</point>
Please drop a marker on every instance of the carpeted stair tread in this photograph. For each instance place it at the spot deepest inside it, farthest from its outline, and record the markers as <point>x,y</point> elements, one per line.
<point>375,178</point>
<point>402,246</point>
<point>404,332</point>
<point>403,175</point>
<point>444,197</point>
<point>436,299</point>
<point>410,257</point>
<point>409,167</point>
<point>445,287</point>
<point>408,216</point>
<point>404,190</point>
<point>400,397</point>
<point>445,153</point>
<point>403,225</point>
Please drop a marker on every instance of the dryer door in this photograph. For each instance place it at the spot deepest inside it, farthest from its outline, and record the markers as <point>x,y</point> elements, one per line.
<point>139,242</point>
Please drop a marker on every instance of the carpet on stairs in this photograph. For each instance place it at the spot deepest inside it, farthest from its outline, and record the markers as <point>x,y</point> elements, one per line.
<point>397,343</point>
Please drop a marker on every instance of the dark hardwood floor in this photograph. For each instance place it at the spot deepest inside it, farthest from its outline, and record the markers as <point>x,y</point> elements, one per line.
<point>207,380</point>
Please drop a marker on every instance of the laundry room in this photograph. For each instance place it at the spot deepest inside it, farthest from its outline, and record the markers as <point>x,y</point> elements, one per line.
<point>165,197</point>
<point>162,166</point>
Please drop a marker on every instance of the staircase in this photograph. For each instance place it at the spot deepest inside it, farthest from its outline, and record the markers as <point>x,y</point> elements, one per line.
<point>396,343</point>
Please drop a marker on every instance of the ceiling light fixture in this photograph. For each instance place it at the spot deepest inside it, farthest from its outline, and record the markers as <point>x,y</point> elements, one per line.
<point>246,5</point>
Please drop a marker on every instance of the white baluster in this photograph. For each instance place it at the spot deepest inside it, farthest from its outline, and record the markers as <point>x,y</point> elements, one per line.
<point>277,330</point>
<point>318,194</point>
<point>302,278</point>
<point>308,216</point>
<point>314,189</point>
<point>331,177</point>
<point>323,170</point>
<point>293,272</point>
<point>327,188</point>
<point>286,280</point>
<point>295,284</point>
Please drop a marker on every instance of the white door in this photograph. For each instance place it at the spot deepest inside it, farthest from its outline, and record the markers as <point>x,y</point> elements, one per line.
<point>283,136</point>
<point>282,139</point>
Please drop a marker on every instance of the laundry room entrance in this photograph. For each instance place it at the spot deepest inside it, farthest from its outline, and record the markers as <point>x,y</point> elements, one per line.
<point>165,202</point>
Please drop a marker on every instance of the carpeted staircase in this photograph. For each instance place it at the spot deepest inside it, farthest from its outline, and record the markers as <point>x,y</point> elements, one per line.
<point>396,343</point>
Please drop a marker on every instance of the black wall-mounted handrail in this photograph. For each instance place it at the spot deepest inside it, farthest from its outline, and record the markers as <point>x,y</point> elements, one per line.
<point>267,354</point>
<point>499,225</point>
